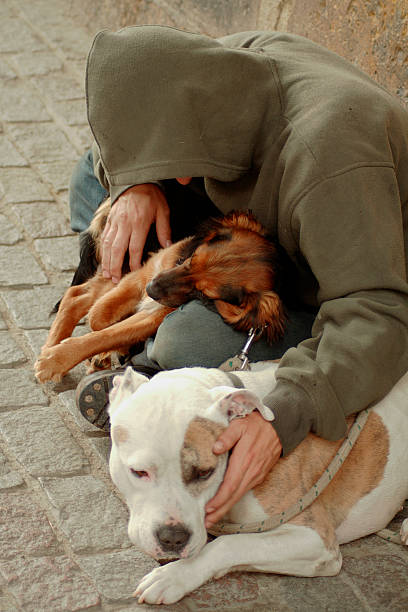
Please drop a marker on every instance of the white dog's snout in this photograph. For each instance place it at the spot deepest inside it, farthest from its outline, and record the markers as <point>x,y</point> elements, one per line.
<point>173,538</point>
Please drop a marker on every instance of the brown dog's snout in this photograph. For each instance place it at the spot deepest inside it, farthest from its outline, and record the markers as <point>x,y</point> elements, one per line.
<point>173,538</point>
<point>171,288</point>
<point>155,289</point>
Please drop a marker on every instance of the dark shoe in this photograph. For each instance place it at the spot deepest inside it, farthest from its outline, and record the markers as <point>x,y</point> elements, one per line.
<point>92,394</point>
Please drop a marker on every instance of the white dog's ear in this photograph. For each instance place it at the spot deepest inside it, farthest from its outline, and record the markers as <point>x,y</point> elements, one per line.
<point>124,385</point>
<point>238,403</point>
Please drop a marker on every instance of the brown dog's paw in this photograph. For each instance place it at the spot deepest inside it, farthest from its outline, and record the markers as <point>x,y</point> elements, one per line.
<point>103,361</point>
<point>50,364</point>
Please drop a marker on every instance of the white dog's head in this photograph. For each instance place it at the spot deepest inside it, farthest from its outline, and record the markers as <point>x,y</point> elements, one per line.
<point>163,431</point>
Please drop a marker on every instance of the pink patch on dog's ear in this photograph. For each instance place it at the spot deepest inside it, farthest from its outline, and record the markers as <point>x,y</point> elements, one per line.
<point>119,434</point>
<point>124,385</point>
<point>241,403</point>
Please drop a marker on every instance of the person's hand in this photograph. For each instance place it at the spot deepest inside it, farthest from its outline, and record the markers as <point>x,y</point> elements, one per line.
<point>256,450</point>
<point>128,224</point>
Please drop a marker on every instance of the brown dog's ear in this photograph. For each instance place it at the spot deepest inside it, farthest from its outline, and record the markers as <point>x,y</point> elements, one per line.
<point>243,219</point>
<point>258,310</point>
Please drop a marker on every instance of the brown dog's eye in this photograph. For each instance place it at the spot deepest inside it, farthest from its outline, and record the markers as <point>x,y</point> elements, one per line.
<point>180,261</point>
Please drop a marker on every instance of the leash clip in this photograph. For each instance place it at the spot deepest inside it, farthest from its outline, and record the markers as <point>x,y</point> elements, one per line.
<point>241,360</point>
<point>243,355</point>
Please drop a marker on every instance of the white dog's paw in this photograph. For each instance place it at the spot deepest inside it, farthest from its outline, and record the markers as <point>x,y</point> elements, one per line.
<point>404,532</point>
<point>166,584</point>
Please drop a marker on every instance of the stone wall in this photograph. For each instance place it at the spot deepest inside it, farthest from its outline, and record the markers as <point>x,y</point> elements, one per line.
<point>371,33</point>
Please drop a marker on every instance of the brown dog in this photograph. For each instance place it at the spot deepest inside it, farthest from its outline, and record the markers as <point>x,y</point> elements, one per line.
<point>230,262</point>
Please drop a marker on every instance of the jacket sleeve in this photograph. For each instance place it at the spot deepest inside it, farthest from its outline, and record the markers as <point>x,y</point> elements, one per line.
<point>349,228</point>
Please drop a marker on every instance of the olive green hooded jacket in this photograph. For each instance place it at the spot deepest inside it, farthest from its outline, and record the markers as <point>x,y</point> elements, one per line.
<point>318,151</point>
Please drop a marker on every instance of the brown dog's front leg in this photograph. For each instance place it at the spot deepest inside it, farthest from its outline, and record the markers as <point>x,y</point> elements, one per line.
<point>57,360</point>
<point>119,303</point>
<point>74,305</point>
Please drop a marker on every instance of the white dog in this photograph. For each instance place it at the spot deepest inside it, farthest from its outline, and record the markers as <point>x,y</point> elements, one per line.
<point>163,431</point>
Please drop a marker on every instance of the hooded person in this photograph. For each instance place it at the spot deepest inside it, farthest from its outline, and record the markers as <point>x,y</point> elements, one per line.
<point>318,151</point>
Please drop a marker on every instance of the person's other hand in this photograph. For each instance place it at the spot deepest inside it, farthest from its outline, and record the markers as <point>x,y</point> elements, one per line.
<point>128,224</point>
<point>256,450</point>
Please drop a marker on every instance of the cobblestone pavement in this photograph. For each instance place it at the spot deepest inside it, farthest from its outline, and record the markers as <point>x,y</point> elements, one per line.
<point>63,539</point>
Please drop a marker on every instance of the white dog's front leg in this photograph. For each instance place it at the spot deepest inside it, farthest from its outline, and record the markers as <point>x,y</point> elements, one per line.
<point>290,549</point>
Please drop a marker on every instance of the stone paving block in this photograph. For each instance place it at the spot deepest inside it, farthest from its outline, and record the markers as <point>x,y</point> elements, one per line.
<point>57,173</point>
<point>84,136</point>
<point>39,12</point>
<point>36,64</point>
<point>9,156</point>
<point>77,66</point>
<point>7,604</point>
<point>89,514</point>
<point>6,72</point>
<point>6,10</point>
<point>59,253</point>
<point>234,591</point>
<point>42,142</point>
<point>73,111</point>
<point>328,593</point>
<point>74,42</point>
<point>9,234</point>
<point>135,607</point>
<point>18,267</point>
<point>24,527</point>
<point>60,87</point>
<point>389,593</point>
<point>276,606</point>
<point>117,574</point>
<point>23,185</point>
<point>11,354</point>
<point>8,476</point>
<point>42,219</point>
<point>36,339</point>
<point>41,442</point>
<point>102,446</point>
<point>31,308</point>
<point>49,584</point>
<point>19,389</point>
<point>19,103</point>
<point>16,36</point>
<point>368,546</point>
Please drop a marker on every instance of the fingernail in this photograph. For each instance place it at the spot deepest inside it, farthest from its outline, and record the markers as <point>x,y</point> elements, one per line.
<point>210,509</point>
<point>106,274</point>
<point>218,447</point>
<point>168,243</point>
<point>115,280</point>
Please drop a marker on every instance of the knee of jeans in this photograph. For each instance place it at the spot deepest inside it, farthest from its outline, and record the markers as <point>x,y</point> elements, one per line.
<point>170,349</point>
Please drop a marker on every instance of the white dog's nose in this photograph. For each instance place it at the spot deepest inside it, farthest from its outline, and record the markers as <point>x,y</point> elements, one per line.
<point>173,537</point>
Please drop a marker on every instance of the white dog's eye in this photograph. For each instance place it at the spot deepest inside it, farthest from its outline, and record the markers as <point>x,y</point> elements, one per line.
<point>203,474</point>
<point>139,473</point>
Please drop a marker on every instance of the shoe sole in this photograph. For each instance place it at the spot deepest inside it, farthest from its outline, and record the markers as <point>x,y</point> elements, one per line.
<point>92,395</point>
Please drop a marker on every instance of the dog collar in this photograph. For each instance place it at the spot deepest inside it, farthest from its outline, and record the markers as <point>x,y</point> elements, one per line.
<point>237,382</point>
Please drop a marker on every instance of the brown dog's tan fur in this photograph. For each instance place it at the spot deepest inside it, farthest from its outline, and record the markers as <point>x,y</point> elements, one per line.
<point>231,263</point>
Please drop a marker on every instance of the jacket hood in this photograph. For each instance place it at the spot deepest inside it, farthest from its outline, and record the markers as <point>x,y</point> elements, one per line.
<point>164,103</point>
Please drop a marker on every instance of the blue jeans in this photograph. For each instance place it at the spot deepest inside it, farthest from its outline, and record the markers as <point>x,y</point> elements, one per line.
<point>192,335</point>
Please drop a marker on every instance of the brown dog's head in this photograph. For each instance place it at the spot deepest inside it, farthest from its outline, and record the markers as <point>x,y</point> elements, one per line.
<point>232,263</point>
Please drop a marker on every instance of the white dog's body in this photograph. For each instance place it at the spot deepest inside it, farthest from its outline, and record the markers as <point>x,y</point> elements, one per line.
<point>162,435</point>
